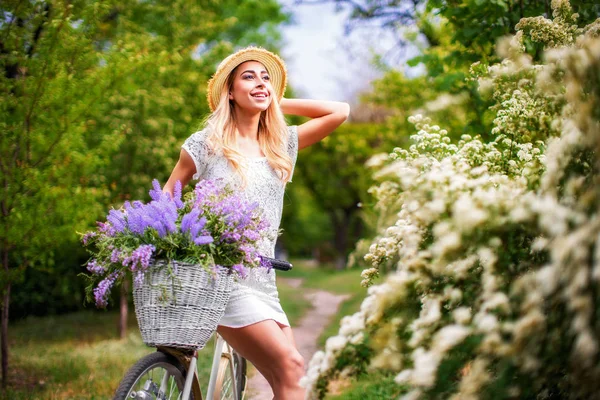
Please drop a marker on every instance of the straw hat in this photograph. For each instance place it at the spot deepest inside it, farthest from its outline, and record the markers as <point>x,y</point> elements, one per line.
<point>272,62</point>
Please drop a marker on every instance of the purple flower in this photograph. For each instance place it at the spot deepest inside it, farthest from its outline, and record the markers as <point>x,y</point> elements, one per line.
<point>200,240</point>
<point>102,291</point>
<point>215,214</point>
<point>95,268</point>
<point>85,239</point>
<point>116,219</point>
<point>156,193</point>
<point>241,270</point>
<point>160,215</point>
<point>106,229</point>
<point>264,263</point>
<point>190,223</point>
<point>139,261</point>
<point>231,237</point>
<point>177,195</point>
<point>250,254</point>
<point>188,218</point>
<point>263,225</point>
<point>206,190</point>
<point>114,257</point>
<point>251,235</point>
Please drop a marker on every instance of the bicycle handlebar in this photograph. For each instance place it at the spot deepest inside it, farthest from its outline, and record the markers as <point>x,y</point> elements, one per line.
<point>281,265</point>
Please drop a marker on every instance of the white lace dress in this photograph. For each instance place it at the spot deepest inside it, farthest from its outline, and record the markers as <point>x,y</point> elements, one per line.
<point>255,298</point>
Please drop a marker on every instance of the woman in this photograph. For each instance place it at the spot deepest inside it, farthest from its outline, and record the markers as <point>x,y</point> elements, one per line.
<point>246,143</point>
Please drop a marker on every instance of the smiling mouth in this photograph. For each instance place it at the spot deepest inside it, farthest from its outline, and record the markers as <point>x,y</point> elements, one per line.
<point>259,96</point>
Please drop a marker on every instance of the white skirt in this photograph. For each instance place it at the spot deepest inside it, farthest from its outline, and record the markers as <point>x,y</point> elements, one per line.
<point>254,299</point>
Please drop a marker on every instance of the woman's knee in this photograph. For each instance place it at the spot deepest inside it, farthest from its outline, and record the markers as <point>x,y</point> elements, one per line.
<point>299,361</point>
<point>292,366</point>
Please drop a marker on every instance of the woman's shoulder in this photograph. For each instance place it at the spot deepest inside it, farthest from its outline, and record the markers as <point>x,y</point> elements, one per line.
<point>199,137</point>
<point>198,147</point>
<point>198,143</point>
<point>201,134</point>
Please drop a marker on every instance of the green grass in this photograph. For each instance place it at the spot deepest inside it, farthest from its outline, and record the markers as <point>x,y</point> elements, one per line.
<point>292,301</point>
<point>373,386</point>
<point>327,278</point>
<point>74,356</point>
<point>79,355</point>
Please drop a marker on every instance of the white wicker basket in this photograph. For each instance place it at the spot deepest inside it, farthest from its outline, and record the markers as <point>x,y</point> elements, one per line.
<point>184,312</point>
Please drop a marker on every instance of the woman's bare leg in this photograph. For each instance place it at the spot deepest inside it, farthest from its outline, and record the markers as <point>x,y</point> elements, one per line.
<point>265,373</point>
<point>268,347</point>
<point>287,331</point>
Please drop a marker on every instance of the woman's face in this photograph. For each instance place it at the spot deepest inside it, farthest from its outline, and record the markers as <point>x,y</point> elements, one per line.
<point>251,89</point>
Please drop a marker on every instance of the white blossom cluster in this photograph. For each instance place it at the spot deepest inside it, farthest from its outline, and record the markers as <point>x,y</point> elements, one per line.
<point>561,31</point>
<point>434,177</point>
<point>443,195</point>
<point>496,245</point>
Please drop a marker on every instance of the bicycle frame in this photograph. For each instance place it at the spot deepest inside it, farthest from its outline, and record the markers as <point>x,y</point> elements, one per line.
<point>222,348</point>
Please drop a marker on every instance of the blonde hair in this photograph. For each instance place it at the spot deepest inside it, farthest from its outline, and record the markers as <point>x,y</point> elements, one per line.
<point>272,135</point>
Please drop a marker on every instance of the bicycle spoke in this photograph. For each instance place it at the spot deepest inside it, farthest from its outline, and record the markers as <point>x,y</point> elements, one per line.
<point>226,391</point>
<point>164,382</point>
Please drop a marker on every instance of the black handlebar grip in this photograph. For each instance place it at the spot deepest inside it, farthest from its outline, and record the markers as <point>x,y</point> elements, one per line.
<point>281,265</point>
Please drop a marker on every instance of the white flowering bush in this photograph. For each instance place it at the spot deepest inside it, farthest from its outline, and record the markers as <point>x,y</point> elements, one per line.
<point>496,289</point>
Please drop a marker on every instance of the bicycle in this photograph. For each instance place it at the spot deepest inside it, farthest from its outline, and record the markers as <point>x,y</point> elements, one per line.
<point>170,373</point>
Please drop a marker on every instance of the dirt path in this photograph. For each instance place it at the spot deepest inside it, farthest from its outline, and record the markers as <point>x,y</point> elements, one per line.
<point>306,333</point>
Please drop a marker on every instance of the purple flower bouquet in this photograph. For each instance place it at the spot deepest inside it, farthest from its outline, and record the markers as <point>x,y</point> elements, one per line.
<point>213,228</point>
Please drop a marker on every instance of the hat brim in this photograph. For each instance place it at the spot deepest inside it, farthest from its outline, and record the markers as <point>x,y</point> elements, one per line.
<point>272,62</point>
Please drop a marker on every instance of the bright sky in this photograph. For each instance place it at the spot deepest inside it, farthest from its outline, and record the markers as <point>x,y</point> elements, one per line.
<point>318,65</point>
<point>323,63</point>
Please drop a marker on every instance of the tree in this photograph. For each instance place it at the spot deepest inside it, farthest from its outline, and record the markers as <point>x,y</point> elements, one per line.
<point>50,83</point>
<point>333,172</point>
<point>498,18</point>
<point>95,97</point>
<point>451,35</point>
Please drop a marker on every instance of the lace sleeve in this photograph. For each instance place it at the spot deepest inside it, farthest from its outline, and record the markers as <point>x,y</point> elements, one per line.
<point>293,147</point>
<point>197,147</point>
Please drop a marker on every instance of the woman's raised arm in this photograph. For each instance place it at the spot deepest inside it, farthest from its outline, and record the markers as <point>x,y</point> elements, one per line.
<point>326,116</point>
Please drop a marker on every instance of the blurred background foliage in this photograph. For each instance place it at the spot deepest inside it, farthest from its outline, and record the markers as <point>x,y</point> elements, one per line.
<point>540,90</point>
<point>96,100</point>
<point>97,97</point>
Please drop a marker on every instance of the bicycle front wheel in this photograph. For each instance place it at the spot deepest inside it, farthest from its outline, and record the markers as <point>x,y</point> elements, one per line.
<point>224,389</point>
<point>156,376</point>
